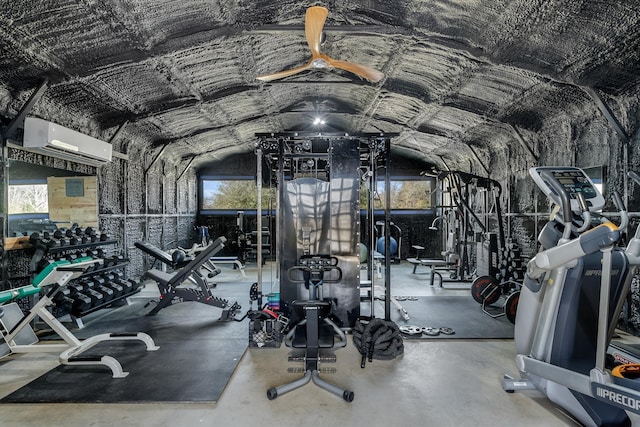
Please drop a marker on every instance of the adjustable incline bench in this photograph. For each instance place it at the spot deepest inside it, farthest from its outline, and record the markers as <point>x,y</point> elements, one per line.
<point>19,337</point>
<point>173,291</point>
<point>206,271</point>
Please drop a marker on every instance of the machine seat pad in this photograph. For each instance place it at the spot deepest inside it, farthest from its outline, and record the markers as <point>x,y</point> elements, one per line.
<point>159,276</point>
<point>325,337</point>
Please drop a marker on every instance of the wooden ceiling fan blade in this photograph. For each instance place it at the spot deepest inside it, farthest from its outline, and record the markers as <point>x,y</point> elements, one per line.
<point>313,25</point>
<point>361,70</point>
<point>283,74</point>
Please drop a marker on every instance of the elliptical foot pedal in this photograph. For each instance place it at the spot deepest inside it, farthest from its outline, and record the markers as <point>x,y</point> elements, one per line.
<point>630,371</point>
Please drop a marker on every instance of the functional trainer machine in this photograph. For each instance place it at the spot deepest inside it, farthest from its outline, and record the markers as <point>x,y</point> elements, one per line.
<point>19,337</point>
<point>318,178</point>
<point>569,305</point>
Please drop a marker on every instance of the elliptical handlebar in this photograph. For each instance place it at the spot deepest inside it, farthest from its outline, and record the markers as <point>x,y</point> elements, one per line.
<point>564,198</point>
<point>586,214</point>
<point>624,215</point>
<point>598,238</point>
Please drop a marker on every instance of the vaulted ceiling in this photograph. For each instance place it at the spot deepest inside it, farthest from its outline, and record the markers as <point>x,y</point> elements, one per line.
<point>460,75</point>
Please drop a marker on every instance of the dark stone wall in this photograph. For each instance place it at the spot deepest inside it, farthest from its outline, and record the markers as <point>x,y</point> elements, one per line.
<point>156,207</point>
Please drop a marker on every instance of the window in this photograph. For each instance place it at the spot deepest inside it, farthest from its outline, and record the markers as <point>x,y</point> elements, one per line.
<point>406,193</point>
<point>233,194</point>
<point>28,198</point>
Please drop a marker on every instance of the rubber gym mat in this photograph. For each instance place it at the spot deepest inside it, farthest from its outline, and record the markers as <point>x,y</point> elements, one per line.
<point>460,313</point>
<point>196,359</point>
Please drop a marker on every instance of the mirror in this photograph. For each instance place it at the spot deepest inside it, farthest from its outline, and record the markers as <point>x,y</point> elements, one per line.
<point>41,199</point>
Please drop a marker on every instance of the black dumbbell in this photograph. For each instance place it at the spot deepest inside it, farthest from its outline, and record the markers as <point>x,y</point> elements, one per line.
<point>127,286</point>
<point>62,301</point>
<point>98,253</point>
<point>80,303</point>
<point>134,285</point>
<point>97,298</point>
<point>60,237</point>
<point>71,257</point>
<point>99,284</point>
<point>110,283</point>
<point>91,235</point>
<point>85,297</point>
<point>35,238</point>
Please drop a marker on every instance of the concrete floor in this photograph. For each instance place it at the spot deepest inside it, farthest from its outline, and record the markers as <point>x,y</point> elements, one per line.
<point>435,383</point>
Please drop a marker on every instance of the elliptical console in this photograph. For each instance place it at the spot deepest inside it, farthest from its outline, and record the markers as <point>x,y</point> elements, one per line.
<point>573,181</point>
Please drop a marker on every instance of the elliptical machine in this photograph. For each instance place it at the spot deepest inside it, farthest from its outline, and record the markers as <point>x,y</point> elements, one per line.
<point>571,297</point>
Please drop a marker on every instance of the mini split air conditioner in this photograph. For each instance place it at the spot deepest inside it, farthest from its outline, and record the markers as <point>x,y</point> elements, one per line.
<point>49,138</point>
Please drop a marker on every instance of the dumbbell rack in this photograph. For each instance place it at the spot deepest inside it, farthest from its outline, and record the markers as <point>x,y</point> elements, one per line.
<point>96,288</point>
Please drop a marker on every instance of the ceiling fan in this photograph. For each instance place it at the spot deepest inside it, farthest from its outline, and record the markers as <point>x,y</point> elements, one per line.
<point>314,22</point>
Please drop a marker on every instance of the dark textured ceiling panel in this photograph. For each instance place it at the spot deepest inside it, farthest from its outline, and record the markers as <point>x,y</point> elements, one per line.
<point>463,78</point>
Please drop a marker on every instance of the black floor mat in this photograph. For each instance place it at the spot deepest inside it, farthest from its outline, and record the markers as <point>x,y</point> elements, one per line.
<point>197,356</point>
<point>460,313</point>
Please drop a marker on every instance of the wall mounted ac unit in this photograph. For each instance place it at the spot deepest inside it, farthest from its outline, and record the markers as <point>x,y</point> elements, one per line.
<point>57,141</point>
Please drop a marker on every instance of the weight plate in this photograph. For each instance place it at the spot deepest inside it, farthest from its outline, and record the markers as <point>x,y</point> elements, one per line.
<point>428,330</point>
<point>480,290</point>
<point>511,306</point>
<point>411,330</point>
<point>447,331</point>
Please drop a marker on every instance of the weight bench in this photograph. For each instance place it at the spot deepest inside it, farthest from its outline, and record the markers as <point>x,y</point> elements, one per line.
<point>196,249</point>
<point>230,260</point>
<point>209,271</point>
<point>432,264</point>
<point>19,337</point>
<point>157,253</point>
<point>171,291</point>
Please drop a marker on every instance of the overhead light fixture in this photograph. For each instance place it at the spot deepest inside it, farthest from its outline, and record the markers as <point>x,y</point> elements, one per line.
<point>318,121</point>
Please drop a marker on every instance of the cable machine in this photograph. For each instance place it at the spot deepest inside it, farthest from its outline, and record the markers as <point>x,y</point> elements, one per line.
<point>318,178</point>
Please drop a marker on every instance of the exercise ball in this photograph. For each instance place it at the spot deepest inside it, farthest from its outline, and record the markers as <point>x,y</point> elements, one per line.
<point>364,253</point>
<point>393,245</point>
